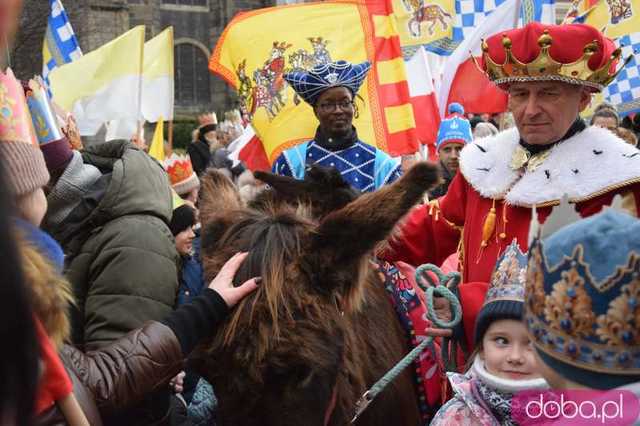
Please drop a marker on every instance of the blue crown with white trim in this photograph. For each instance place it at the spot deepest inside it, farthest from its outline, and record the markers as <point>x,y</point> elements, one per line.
<point>309,85</point>
<point>582,298</point>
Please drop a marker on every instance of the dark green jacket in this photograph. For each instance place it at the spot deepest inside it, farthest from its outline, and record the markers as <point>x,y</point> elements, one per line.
<point>121,256</point>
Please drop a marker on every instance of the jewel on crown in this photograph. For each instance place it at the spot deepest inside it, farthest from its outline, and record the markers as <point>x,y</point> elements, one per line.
<point>15,120</point>
<point>545,65</point>
<point>178,167</point>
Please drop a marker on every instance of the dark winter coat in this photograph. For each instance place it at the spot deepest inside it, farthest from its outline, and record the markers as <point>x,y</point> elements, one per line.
<point>121,257</point>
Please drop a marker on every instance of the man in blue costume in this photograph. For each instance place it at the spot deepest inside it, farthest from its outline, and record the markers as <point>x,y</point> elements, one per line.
<point>330,89</point>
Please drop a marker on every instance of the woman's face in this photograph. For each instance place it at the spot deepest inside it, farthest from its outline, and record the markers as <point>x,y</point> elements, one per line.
<point>184,241</point>
<point>507,351</point>
<point>334,110</point>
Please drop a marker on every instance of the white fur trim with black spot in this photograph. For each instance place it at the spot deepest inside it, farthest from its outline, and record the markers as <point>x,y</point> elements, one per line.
<point>584,166</point>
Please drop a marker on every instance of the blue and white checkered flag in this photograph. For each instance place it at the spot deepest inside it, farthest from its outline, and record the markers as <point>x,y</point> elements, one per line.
<point>624,91</point>
<point>471,13</point>
<point>60,43</point>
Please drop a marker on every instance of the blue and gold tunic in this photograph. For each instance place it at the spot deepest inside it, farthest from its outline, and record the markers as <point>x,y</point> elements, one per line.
<point>363,166</point>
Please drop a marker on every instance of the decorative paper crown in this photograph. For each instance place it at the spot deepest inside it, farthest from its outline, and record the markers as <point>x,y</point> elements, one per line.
<point>582,304</point>
<point>576,54</point>
<point>508,279</point>
<point>309,85</point>
<point>454,128</point>
<point>183,178</point>
<point>15,121</point>
<point>44,119</point>
<point>505,297</point>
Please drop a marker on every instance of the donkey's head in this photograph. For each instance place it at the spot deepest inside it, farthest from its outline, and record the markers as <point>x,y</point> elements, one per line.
<point>283,346</point>
<point>323,190</point>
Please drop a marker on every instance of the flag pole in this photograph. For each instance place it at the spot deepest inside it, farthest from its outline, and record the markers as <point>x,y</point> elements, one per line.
<point>170,136</point>
<point>517,17</point>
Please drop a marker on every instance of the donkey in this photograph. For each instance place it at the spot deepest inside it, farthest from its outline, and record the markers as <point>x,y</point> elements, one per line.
<point>317,333</point>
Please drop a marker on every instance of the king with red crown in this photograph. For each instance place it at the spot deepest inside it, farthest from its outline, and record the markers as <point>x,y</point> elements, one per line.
<point>550,73</point>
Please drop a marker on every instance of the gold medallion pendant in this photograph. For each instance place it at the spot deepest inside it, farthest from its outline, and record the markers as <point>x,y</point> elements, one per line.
<point>519,158</point>
<point>522,158</point>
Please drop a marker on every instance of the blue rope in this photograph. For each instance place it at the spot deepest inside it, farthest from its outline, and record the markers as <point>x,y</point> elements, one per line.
<point>432,289</point>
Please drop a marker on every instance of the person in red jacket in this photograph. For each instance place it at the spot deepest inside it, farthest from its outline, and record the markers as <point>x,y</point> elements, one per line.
<point>550,73</point>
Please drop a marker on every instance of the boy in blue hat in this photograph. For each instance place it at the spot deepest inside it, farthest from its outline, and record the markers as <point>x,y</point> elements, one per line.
<point>454,133</point>
<point>330,89</point>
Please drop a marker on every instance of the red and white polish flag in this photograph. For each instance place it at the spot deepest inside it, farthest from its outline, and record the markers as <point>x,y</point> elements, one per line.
<point>462,81</point>
<point>423,98</point>
<point>248,149</point>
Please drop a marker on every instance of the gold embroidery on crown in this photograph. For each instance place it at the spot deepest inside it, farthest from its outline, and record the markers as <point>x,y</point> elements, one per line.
<point>568,307</point>
<point>545,66</point>
<point>508,273</point>
<point>534,288</point>
<point>619,327</point>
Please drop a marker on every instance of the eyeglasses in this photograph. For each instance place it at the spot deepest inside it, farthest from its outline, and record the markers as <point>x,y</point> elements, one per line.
<point>330,107</point>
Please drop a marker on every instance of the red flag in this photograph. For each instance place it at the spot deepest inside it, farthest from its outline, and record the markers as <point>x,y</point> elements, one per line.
<point>423,98</point>
<point>462,82</point>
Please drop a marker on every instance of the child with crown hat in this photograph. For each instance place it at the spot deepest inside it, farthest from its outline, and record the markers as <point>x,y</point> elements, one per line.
<point>503,361</point>
<point>582,305</point>
<point>550,73</point>
<point>331,89</point>
<point>182,177</point>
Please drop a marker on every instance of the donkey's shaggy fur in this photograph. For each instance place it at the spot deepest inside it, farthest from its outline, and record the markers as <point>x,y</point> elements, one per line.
<point>318,331</point>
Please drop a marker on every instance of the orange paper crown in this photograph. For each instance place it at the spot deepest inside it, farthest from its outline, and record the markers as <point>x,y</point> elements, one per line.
<point>181,174</point>
<point>576,54</point>
<point>15,120</point>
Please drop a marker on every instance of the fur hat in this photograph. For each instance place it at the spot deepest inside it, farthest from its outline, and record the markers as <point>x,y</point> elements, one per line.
<point>183,217</point>
<point>310,84</point>
<point>455,128</point>
<point>183,178</point>
<point>582,305</point>
<point>19,152</point>
<point>505,297</point>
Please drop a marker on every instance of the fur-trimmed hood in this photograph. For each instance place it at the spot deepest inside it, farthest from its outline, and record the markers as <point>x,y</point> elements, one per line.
<point>50,292</point>
<point>584,166</point>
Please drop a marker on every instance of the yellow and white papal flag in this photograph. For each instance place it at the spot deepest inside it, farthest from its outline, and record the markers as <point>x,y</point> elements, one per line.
<point>104,84</point>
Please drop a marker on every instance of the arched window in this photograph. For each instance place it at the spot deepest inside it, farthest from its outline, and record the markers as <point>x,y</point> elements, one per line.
<point>192,77</point>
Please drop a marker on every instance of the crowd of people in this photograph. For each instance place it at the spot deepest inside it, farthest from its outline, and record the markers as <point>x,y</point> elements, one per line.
<point>105,296</point>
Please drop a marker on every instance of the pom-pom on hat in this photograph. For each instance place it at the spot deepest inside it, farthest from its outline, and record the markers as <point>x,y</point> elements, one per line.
<point>455,128</point>
<point>24,163</point>
<point>183,178</point>
<point>582,304</point>
<point>310,84</point>
<point>577,54</point>
<point>505,296</point>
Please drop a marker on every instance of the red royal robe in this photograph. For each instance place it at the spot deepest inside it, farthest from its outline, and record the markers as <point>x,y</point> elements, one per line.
<point>591,167</point>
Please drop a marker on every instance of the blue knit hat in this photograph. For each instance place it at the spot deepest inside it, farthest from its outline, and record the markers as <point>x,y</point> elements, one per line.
<point>309,85</point>
<point>505,296</point>
<point>582,304</point>
<point>454,128</point>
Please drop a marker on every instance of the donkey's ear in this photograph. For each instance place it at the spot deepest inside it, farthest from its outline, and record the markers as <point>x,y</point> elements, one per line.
<point>218,195</point>
<point>353,231</point>
<point>285,186</point>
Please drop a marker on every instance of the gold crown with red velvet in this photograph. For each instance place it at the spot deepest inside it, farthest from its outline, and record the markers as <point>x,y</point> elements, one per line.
<point>183,178</point>
<point>575,53</point>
